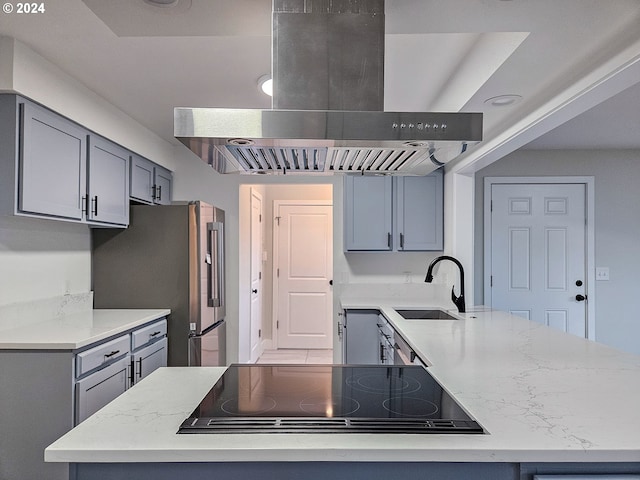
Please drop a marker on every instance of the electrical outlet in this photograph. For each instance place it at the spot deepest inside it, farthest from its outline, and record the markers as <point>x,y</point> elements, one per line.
<point>602,273</point>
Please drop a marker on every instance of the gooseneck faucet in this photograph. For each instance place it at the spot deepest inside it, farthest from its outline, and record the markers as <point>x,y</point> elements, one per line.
<point>459,301</point>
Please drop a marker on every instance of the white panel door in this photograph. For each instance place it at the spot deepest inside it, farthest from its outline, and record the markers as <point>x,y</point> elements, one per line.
<point>305,263</point>
<point>256,276</point>
<point>538,254</point>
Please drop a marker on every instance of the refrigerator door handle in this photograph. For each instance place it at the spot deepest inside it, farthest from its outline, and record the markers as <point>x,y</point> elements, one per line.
<point>215,264</point>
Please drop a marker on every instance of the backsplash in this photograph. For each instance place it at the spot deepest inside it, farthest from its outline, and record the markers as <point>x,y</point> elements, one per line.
<point>432,294</point>
<point>34,311</point>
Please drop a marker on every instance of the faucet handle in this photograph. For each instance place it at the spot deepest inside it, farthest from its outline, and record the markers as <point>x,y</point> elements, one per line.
<point>458,301</point>
<point>454,298</point>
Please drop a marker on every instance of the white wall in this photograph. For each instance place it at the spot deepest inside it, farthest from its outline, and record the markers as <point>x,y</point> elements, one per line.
<point>42,81</point>
<point>43,258</point>
<point>617,228</point>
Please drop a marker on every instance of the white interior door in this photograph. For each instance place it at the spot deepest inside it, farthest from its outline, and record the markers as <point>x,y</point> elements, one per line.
<point>538,254</point>
<point>256,276</point>
<point>304,272</point>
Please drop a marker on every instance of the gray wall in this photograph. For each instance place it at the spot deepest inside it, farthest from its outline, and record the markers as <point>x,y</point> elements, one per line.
<point>617,228</point>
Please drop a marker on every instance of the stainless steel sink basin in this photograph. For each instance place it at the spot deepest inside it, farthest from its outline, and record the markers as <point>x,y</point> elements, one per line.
<point>425,315</point>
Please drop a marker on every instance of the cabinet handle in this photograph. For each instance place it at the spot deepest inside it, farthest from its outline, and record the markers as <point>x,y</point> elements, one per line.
<point>381,353</point>
<point>85,204</point>
<point>340,330</point>
<point>402,240</point>
<point>389,240</point>
<point>153,192</point>
<point>114,352</point>
<point>94,208</point>
<point>155,333</point>
<point>140,368</point>
<point>132,379</point>
<point>159,192</point>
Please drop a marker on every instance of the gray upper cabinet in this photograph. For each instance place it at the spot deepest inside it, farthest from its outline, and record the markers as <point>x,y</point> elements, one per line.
<point>108,191</point>
<point>164,184</point>
<point>142,179</point>
<point>150,183</point>
<point>52,167</point>
<point>419,209</point>
<point>394,213</point>
<point>368,213</point>
<point>52,164</point>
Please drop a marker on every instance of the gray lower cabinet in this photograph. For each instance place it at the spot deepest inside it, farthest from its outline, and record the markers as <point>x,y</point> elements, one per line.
<point>147,359</point>
<point>45,393</point>
<point>149,347</point>
<point>394,214</point>
<point>352,470</point>
<point>150,183</point>
<point>96,390</point>
<point>361,337</point>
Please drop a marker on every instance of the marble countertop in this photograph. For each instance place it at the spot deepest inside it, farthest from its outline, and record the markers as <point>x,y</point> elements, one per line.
<point>542,395</point>
<point>73,330</point>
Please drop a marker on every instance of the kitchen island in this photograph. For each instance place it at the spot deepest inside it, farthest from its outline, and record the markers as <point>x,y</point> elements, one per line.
<point>550,402</point>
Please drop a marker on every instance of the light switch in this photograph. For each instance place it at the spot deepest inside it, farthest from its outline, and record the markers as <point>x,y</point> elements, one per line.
<point>602,273</point>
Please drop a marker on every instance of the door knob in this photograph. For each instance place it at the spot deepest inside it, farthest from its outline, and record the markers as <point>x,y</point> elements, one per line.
<point>255,290</point>
<point>580,298</point>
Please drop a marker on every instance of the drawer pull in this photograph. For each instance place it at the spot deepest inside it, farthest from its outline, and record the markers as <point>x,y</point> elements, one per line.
<point>155,333</point>
<point>114,352</point>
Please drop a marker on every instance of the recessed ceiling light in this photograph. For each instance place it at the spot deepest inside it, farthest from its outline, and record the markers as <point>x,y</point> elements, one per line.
<point>503,100</point>
<point>265,83</point>
<point>162,3</point>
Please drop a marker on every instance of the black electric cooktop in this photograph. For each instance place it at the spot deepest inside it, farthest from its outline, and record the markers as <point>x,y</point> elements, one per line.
<point>328,399</point>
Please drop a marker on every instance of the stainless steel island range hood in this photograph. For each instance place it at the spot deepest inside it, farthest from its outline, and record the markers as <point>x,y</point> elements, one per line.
<point>327,116</point>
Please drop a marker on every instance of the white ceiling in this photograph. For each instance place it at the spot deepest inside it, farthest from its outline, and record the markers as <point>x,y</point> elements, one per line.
<point>440,54</point>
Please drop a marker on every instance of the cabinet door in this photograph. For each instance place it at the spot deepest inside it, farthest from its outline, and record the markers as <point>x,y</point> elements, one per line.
<point>99,388</point>
<point>142,182</point>
<point>52,164</point>
<point>419,212</point>
<point>367,213</point>
<point>108,182</point>
<point>361,337</point>
<point>163,185</point>
<point>149,359</point>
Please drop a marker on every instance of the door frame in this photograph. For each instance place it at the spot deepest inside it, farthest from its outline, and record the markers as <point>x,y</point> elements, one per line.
<point>276,259</point>
<point>255,193</point>
<point>588,182</point>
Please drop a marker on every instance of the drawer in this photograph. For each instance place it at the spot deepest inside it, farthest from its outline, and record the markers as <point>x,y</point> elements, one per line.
<point>101,355</point>
<point>96,390</point>
<point>148,334</point>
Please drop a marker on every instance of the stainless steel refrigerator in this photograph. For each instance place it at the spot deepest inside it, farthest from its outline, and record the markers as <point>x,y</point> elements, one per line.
<point>170,256</point>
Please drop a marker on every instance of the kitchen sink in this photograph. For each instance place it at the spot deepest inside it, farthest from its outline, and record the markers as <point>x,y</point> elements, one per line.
<point>425,315</point>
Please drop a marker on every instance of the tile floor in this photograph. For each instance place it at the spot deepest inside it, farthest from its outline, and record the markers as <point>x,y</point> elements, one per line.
<point>297,356</point>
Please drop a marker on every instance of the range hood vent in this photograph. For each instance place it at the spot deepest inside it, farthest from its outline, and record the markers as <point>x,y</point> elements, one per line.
<point>328,70</point>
